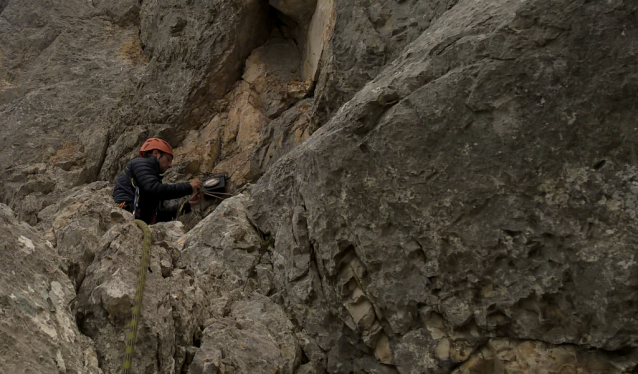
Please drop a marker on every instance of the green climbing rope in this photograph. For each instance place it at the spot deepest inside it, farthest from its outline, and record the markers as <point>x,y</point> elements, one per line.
<point>139,295</point>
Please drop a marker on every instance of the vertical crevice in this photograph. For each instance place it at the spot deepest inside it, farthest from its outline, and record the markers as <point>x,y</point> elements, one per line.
<point>100,164</point>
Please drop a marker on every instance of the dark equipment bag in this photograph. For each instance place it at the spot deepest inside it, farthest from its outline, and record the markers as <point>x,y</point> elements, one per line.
<point>216,183</point>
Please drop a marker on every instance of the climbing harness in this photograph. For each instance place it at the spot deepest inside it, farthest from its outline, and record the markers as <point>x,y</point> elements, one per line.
<point>136,199</point>
<point>139,295</point>
<point>135,206</point>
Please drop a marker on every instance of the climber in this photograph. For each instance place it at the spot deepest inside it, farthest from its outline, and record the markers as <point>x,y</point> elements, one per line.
<point>139,188</point>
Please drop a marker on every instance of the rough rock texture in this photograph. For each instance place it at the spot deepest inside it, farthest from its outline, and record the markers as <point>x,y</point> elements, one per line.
<point>196,51</point>
<point>243,331</point>
<point>256,337</point>
<point>38,330</point>
<point>506,356</point>
<point>266,116</point>
<point>83,83</point>
<point>364,37</point>
<point>63,68</point>
<point>311,24</point>
<point>472,190</point>
<point>105,300</point>
<point>205,291</point>
<point>76,224</point>
<point>470,207</point>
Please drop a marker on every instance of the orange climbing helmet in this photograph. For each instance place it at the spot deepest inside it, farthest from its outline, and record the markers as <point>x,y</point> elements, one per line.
<point>156,143</point>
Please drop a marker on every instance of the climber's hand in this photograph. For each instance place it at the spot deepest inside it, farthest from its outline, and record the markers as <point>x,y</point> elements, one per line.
<point>196,198</point>
<point>196,185</point>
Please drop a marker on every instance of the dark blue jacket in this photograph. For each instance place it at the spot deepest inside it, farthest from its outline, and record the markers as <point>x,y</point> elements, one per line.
<point>146,175</point>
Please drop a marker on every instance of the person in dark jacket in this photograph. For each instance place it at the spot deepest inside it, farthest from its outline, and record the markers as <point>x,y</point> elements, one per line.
<point>144,175</point>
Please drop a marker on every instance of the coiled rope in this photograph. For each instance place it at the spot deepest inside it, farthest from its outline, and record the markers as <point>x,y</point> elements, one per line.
<point>139,295</point>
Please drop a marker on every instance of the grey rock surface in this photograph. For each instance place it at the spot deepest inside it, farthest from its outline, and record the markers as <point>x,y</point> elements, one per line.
<point>281,136</point>
<point>471,190</point>
<point>83,83</point>
<point>205,291</point>
<point>223,250</point>
<point>506,356</point>
<point>470,207</point>
<point>76,223</point>
<point>105,300</point>
<point>256,337</point>
<point>196,51</point>
<point>242,330</point>
<point>37,325</point>
<point>63,69</point>
<point>367,36</point>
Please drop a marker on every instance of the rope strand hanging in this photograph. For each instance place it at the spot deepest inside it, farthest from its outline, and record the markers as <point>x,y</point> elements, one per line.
<point>131,337</point>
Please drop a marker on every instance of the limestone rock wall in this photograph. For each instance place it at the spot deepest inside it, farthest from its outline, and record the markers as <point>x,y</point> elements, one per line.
<point>82,83</point>
<point>63,68</point>
<point>472,190</point>
<point>196,53</point>
<point>367,36</point>
<point>206,304</point>
<point>419,187</point>
<point>38,329</point>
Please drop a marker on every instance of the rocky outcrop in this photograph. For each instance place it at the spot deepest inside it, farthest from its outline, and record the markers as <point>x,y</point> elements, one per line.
<point>255,337</point>
<point>38,329</point>
<point>76,225</point>
<point>205,306</point>
<point>506,356</point>
<point>243,330</point>
<point>365,37</point>
<point>105,300</point>
<point>267,115</point>
<point>470,191</point>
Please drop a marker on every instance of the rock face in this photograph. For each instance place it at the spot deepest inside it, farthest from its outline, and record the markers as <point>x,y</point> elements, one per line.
<point>418,187</point>
<point>105,300</point>
<point>196,53</point>
<point>243,330</point>
<point>505,356</point>
<point>367,36</point>
<point>63,67</point>
<point>38,329</point>
<point>267,114</point>
<point>205,306</point>
<point>83,82</point>
<point>471,190</point>
<point>256,337</point>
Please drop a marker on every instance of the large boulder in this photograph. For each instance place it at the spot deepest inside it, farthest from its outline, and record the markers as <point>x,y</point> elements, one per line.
<point>242,329</point>
<point>107,292</point>
<point>482,185</point>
